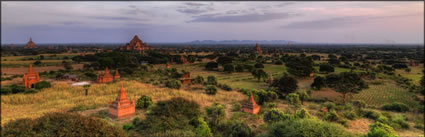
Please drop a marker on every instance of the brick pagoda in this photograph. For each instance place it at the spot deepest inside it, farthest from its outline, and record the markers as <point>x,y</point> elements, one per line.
<point>184,60</point>
<point>186,78</point>
<point>270,81</point>
<point>167,66</point>
<point>30,45</point>
<point>122,107</point>
<point>136,45</point>
<point>117,75</point>
<point>31,78</point>
<point>251,106</point>
<point>258,49</point>
<point>104,77</point>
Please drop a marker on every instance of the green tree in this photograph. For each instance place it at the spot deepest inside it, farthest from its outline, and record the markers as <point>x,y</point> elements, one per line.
<point>285,85</point>
<point>346,83</point>
<point>201,127</point>
<point>211,65</point>
<point>37,63</point>
<point>239,68</point>
<point>299,66</point>
<point>229,68</point>
<point>381,130</point>
<point>302,113</point>
<point>306,128</point>
<point>144,102</point>
<point>275,115</point>
<point>173,84</point>
<point>211,80</point>
<point>293,99</point>
<point>303,96</point>
<point>198,80</point>
<point>259,65</point>
<point>318,83</point>
<point>211,89</point>
<point>239,129</point>
<point>325,67</point>
<point>224,60</point>
<point>259,74</point>
<point>42,84</point>
<point>216,113</point>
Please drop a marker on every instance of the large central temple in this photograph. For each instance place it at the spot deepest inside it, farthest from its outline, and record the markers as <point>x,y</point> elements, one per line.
<point>136,45</point>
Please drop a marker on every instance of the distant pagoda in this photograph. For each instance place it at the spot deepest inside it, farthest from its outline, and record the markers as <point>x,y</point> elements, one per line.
<point>270,81</point>
<point>31,78</point>
<point>258,49</point>
<point>105,77</point>
<point>122,107</point>
<point>136,45</point>
<point>30,44</point>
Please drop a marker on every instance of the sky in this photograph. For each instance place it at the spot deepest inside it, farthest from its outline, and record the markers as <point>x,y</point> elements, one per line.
<point>184,21</point>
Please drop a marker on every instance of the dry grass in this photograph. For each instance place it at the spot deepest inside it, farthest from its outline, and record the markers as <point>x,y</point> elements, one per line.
<point>62,97</point>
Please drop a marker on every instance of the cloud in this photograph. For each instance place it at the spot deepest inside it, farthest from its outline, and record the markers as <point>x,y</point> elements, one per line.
<point>284,4</point>
<point>338,21</point>
<point>133,10</point>
<point>253,17</point>
<point>114,18</point>
<point>70,22</point>
<point>195,4</point>
<point>191,11</point>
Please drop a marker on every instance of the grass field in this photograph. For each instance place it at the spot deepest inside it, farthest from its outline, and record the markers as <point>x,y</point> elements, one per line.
<point>236,79</point>
<point>62,97</point>
<point>415,74</point>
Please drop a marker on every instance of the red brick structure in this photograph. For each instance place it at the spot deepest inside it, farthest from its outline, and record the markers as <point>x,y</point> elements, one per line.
<point>122,107</point>
<point>31,78</point>
<point>117,75</point>
<point>186,78</point>
<point>136,45</point>
<point>270,81</point>
<point>168,66</point>
<point>251,106</point>
<point>11,46</point>
<point>183,59</point>
<point>104,77</point>
<point>311,74</point>
<point>258,49</point>
<point>413,63</point>
<point>30,45</point>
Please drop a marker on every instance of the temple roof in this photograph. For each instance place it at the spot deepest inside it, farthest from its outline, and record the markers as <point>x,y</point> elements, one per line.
<point>122,96</point>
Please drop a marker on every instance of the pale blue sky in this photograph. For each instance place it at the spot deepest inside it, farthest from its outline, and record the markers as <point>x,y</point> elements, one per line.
<point>117,22</point>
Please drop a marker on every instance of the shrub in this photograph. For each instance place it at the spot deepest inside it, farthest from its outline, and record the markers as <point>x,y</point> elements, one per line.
<point>302,113</point>
<point>399,107</point>
<point>6,90</point>
<point>198,80</point>
<point>225,87</point>
<point>201,127</point>
<point>306,128</point>
<point>293,99</point>
<point>144,102</point>
<point>211,90</point>
<point>286,84</point>
<point>42,84</point>
<point>239,129</point>
<point>173,84</point>
<point>127,126</point>
<point>236,107</point>
<point>318,83</point>
<point>325,67</point>
<point>371,114</point>
<point>380,130</point>
<point>259,65</point>
<point>331,116</point>
<point>173,114</point>
<point>229,68</point>
<point>239,68</point>
<point>275,115</point>
<point>211,80</point>
<point>61,124</point>
<point>216,112</point>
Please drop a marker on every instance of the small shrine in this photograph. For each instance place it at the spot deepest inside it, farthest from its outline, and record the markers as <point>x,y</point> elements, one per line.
<point>122,107</point>
<point>186,78</point>
<point>31,78</point>
<point>270,81</point>
<point>251,106</point>
<point>117,75</point>
<point>183,59</point>
<point>104,77</point>
<point>168,66</point>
